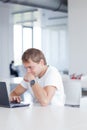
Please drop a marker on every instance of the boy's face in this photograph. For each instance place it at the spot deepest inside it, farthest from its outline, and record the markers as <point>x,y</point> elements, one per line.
<point>33,67</point>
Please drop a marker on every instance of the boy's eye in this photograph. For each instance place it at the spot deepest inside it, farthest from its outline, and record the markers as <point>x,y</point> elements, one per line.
<point>29,67</point>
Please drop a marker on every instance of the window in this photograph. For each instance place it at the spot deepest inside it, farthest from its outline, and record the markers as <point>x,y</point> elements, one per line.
<point>54,45</point>
<point>27,38</point>
<point>17,43</point>
<point>22,40</point>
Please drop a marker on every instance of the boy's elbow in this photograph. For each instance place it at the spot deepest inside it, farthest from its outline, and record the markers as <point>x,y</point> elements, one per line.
<point>44,103</point>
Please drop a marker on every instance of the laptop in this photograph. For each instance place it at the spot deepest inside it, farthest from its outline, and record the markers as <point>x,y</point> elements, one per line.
<point>4,98</point>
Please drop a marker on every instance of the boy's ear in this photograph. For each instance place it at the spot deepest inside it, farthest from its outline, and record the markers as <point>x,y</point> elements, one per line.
<point>42,61</point>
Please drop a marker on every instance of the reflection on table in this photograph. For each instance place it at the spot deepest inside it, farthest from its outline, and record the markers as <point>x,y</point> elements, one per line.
<point>43,118</point>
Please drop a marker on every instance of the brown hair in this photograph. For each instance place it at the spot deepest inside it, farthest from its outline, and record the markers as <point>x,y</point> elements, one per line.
<point>34,54</point>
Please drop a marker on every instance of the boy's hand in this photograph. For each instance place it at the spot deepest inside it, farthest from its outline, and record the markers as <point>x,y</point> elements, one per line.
<point>28,77</point>
<point>16,99</point>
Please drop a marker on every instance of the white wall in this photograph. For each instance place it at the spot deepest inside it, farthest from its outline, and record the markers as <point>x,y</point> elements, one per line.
<point>77,36</point>
<point>5,41</point>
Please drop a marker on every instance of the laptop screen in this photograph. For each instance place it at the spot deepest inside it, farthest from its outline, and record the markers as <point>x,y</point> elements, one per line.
<point>4,99</point>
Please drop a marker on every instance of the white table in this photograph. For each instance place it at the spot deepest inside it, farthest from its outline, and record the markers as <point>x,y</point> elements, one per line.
<point>43,118</point>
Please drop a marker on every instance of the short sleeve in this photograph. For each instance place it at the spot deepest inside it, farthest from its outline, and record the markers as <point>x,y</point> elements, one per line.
<point>53,77</point>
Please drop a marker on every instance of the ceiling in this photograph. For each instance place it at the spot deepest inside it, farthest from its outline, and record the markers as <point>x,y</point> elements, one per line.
<point>28,15</point>
<point>57,5</point>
